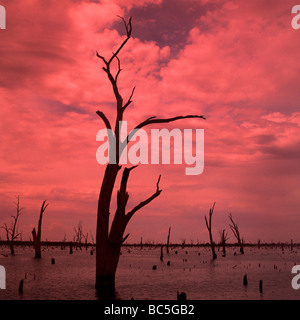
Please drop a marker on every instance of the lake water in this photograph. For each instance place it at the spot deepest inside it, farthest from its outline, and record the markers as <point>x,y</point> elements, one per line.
<point>191,270</point>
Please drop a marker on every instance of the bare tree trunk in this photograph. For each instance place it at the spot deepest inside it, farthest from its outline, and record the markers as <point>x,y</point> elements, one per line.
<point>236,232</point>
<point>224,238</point>
<point>12,231</point>
<point>209,228</point>
<point>78,235</point>
<point>162,253</point>
<point>11,247</point>
<point>37,236</point>
<point>107,255</point>
<point>168,241</point>
<point>109,242</point>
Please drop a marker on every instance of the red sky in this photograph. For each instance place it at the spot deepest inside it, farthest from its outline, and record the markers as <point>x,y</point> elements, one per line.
<point>236,62</point>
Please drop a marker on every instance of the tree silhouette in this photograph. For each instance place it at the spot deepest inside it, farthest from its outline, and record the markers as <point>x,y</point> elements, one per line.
<point>37,236</point>
<point>209,228</point>
<point>109,241</point>
<point>235,229</point>
<point>12,231</point>
<point>223,239</point>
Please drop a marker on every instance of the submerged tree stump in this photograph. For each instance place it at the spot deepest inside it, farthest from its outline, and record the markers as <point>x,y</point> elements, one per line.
<point>21,286</point>
<point>181,296</point>
<point>162,253</point>
<point>260,286</point>
<point>209,228</point>
<point>168,240</point>
<point>37,235</point>
<point>245,280</point>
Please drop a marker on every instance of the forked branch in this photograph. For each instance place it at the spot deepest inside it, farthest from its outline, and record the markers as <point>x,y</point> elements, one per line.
<point>235,229</point>
<point>128,27</point>
<point>145,202</point>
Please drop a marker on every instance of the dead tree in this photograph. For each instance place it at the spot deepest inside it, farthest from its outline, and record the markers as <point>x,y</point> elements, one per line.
<point>234,228</point>
<point>92,238</point>
<point>85,237</point>
<point>78,234</point>
<point>209,228</point>
<point>223,239</point>
<point>12,231</point>
<point>63,242</point>
<point>168,240</point>
<point>37,236</point>
<point>109,240</point>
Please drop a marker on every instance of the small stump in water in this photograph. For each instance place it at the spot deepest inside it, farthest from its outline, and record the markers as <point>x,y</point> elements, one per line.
<point>260,286</point>
<point>21,286</point>
<point>245,280</point>
<point>52,261</point>
<point>162,253</point>
<point>168,263</point>
<point>154,267</point>
<point>181,296</point>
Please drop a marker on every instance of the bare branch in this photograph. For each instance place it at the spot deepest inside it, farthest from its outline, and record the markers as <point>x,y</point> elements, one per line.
<point>105,120</point>
<point>125,177</point>
<point>153,120</point>
<point>125,238</point>
<point>128,27</point>
<point>129,100</point>
<point>209,228</point>
<point>145,202</point>
<point>122,195</point>
<point>113,79</point>
<point>101,57</point>
<point>234,228</point>
<point>119,69</point>
<point>44,206</point>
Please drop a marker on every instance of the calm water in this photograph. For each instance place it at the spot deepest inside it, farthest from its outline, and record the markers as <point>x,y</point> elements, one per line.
<point>72,276</point>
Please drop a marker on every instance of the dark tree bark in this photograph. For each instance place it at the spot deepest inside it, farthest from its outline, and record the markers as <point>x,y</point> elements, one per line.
<point>209,228</point>
<point>168,240</point>
<point>109,241</point>
<point>37,236</point>
<point>12,232</point>
<point>235,229</point>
